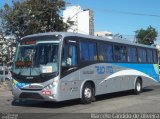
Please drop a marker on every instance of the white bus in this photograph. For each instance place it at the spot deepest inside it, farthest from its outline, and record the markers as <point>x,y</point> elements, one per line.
<point>62,66</point>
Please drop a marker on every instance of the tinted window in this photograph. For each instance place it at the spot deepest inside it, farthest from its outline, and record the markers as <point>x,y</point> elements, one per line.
<point>84,51</point>
<point>120,53</point>
<point>155,56</point>
<point>47,53</point>
<point>88,51</point>
<point>132,54</point>
<point>142,55</point>
<point>105,52</point>
<point>92,51</point>
<point>149,56</point>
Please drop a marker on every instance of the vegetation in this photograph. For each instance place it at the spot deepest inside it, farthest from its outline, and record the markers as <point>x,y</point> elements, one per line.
<point>147,36</point>
<point>26,17</point>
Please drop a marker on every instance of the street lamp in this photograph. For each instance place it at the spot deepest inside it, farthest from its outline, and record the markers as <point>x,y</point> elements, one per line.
<point>78,13</point>
<point>77,18</point>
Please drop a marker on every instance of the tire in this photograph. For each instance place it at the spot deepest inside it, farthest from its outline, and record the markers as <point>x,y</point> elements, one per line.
<point>87,94</point>
<point>138,87</point>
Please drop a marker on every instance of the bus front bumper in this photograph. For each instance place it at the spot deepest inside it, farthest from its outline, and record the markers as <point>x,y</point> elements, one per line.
<point>39,95</point>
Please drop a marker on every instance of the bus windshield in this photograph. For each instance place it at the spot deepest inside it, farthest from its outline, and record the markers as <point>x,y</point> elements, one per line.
<point>42,55</point>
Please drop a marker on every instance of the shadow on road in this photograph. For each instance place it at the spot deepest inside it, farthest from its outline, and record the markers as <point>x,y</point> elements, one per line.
<point>27,103</point>
<point>46,104</point>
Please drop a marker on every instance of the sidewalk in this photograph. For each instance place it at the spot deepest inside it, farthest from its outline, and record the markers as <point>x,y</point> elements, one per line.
<point>4,87</point>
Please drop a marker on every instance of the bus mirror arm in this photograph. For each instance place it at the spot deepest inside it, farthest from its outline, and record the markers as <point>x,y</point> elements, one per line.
<point>69,68</point>
<point>72,68</point>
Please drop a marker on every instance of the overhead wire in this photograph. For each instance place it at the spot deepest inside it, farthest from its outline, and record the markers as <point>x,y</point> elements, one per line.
<point>128,13</point>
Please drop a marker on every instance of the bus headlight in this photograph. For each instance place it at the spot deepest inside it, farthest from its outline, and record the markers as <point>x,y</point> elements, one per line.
<point>50,86</point>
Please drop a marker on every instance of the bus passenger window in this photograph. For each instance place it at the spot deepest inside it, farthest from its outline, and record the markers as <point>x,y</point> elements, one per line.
<point>120,53</point>
<point>132,54</point>
<point>142,55</point>
<point>88,51</point>
<point>149,56</point>
<point>84,51</point>
<point>155,59</point>
<point>105,52</point>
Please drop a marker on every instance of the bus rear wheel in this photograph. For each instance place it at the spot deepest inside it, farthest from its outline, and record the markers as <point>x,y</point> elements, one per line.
<point>87,93</point>
<point>138,87</point>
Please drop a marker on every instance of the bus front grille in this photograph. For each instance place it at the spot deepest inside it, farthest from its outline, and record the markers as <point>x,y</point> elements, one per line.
<point>27,95</point>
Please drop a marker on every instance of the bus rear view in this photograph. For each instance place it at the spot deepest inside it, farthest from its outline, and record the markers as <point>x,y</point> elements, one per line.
<point>35,72</point>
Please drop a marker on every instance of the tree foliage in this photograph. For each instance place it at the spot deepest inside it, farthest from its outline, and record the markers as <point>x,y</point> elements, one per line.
<point>7,49</point>
<point>3,49</point>
<point>147,36</point>
<point>33,16</point>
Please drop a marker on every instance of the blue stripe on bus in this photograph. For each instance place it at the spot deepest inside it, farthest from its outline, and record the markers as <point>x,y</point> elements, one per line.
<point>145,68</point>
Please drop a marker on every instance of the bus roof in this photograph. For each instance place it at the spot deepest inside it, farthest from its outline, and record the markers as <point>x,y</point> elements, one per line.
<point>66,34</point>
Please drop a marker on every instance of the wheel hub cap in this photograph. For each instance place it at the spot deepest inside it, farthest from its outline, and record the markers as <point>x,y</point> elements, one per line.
<point>138,87</point>
<point>87,93</point>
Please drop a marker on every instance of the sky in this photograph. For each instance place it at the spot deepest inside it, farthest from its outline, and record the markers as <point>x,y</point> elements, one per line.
<point>123,16</point>
<point>120,16</point>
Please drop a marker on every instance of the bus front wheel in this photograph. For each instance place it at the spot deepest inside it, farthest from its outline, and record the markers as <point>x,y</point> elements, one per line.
<point>87,93</point>
<point>138,87</point>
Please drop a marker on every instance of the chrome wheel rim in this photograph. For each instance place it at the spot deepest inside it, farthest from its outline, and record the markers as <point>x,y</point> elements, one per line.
<point>138,87</point>
<point>87,93</point>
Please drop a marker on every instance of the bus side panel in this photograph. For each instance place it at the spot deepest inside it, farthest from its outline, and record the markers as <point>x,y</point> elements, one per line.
<point>152,71</point>
<point>148,72</point>
<point>107,77</point>
<point>69,87</point>
<point>148,82</point>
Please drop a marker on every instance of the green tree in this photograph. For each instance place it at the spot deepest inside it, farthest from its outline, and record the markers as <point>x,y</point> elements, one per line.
<point>3,49</point>
<point>33,16</point>
<point>147,36</point>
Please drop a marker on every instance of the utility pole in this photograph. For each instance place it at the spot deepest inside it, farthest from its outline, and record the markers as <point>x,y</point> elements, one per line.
<point>3,68</point>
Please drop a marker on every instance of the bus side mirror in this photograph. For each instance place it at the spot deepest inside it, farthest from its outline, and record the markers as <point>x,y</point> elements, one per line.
<point>69,61</point>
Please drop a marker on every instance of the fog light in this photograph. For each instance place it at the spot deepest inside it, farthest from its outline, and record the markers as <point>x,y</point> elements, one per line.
<point>50,86</point>
<point>52,96</point>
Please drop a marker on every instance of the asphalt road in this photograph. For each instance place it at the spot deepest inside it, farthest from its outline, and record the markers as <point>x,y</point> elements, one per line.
<point>123,102</point>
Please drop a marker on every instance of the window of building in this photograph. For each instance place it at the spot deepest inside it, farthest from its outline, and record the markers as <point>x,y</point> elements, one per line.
<point>142,55</point>
<point>88,51</point>
<point>120,54</point>
<point>149,56</point>
<point>132,54</point>
<point>105,52</point>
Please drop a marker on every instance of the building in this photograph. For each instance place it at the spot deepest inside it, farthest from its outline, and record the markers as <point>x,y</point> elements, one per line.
<point>105,34</point>
<point>83,19</point>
